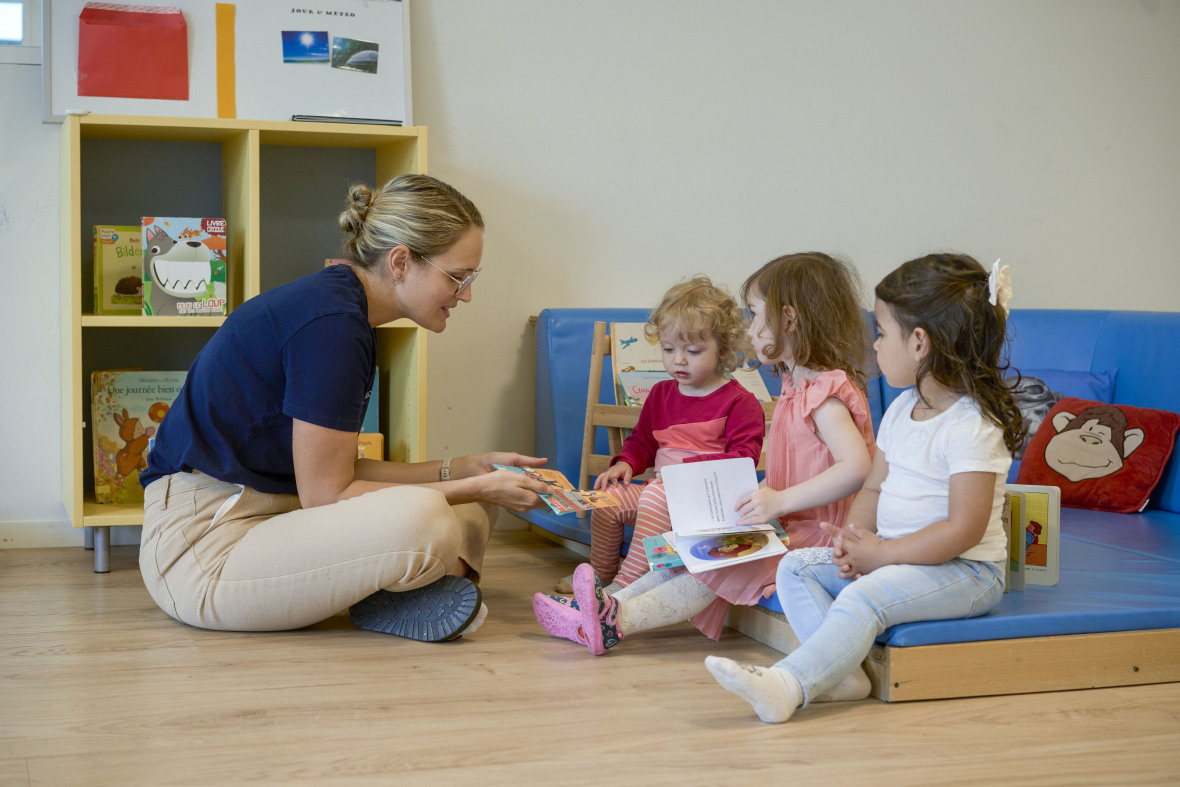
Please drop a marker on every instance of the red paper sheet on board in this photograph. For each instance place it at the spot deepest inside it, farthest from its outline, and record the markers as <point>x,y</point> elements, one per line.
<point>132,51</point>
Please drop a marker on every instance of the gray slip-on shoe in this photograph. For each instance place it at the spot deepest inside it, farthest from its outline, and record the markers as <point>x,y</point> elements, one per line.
<point>436,612</point>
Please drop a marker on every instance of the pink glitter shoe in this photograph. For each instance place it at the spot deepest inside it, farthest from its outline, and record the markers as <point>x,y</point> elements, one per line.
<point>558,619</point>
<point>599,611</point>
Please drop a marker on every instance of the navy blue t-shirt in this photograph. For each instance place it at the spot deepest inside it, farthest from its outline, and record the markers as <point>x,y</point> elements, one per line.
<point>302,350</point>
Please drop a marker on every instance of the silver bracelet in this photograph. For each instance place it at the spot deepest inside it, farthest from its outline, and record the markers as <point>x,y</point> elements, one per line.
<point>444,472</point>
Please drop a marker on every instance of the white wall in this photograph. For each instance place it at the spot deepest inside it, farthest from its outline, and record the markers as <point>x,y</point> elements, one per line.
<point>616,146</point>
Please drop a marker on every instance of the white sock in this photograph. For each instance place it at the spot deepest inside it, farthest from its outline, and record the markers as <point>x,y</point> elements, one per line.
<point>853,686</point>
<point>612,588</point>
<point>673,601</point>
<point>478,620</point>
<point>645,583</point>
<point>774,693</point>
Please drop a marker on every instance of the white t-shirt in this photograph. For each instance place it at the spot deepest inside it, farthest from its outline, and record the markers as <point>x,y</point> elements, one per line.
<point>923,455</point>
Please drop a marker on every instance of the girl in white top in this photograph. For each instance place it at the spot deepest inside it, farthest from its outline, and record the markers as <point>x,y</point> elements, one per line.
<point>923,540</point>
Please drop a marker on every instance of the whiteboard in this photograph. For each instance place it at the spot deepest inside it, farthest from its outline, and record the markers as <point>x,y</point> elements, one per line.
<point>267,87</point>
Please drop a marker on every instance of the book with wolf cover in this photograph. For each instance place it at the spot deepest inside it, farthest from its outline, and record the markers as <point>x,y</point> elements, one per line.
<point>564,498</point>
<point>184,267</point>
<point>126,410</point>
<point>1040,528</point>
<point>118,270</point>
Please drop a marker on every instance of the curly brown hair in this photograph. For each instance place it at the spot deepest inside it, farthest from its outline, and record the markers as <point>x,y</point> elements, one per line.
<point>946,295</point>
<point>825,294</point>
<point>698,308</point>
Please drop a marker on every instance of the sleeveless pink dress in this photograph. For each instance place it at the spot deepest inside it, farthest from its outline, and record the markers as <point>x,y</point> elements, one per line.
<point>794,454</point>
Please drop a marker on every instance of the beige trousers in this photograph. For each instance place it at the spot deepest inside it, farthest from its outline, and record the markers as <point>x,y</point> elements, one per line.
<point>217,556</point>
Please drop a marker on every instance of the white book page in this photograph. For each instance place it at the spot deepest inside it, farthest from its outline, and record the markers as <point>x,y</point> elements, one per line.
<point>702,496</point>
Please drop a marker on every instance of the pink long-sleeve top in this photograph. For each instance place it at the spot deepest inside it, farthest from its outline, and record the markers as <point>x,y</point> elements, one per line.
<point>726,424</point>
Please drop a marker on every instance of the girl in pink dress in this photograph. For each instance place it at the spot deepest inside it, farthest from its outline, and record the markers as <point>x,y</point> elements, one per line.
<point>807,323</point>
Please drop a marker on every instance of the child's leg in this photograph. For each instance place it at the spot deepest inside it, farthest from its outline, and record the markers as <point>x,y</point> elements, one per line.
<point>606,530</point>
<point>866,607</point>
<point>651,519</point>
<point>884,598</point>
<point>806,584</point>
<point>605,620</point>
<point>674,601</point>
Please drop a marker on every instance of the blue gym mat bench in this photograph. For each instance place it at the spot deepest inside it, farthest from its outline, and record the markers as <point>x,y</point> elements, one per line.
<point>1113,618</point>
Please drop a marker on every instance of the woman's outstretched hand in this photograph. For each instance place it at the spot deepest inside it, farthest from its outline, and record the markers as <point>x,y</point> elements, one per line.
<point>478,464</point>
<point>510,489</point>
<point>505,488</point>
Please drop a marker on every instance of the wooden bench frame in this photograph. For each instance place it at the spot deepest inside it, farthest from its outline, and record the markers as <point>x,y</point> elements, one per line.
<point>1001,666</point>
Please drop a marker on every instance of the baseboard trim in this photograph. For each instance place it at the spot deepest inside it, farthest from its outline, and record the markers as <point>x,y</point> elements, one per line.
<point>47,535</point>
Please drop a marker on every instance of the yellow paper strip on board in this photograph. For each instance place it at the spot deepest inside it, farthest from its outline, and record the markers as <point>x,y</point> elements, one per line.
<point>226,87</point>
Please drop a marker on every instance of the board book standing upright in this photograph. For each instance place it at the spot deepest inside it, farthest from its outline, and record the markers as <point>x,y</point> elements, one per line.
<point>1039,531</point>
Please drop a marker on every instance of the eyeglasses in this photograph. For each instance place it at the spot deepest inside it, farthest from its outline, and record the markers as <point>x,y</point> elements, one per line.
<point>462,284</point>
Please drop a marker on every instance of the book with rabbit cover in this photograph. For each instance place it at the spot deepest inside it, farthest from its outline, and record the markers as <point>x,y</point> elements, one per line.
<point>184,267</point>
<point>126,410</point>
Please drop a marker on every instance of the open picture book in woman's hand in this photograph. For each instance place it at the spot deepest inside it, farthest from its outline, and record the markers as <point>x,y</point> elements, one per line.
<point>564,498</point>
<point>702,505</point>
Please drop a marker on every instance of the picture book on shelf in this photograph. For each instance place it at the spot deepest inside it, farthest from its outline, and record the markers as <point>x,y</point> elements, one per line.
<point>565,497</point>
<point>634,386</point>
<point>370,445</point>
<point>184,267</point>
<point>702,496</point>
<point>1039,524</point>
<point>631,351</point>
<point>751,380</point>
<point>126,410</point>
<point>639,364</point>
<point>118,270</point>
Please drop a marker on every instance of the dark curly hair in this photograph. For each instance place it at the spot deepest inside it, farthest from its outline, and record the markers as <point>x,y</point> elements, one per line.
<point>946,295</point>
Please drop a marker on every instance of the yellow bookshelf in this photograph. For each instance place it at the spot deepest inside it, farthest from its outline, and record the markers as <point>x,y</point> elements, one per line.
<point>280,186</point>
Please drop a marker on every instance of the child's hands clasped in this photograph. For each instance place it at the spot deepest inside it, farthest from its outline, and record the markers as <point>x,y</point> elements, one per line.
<point>855,551</point>
<point>618,473</point>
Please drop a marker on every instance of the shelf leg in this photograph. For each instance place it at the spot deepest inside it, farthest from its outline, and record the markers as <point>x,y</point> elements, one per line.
<point>102,549</point>
<point>88,537</point>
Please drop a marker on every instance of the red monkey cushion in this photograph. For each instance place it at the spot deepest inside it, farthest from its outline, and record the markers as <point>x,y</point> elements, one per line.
<point>1106,456</point>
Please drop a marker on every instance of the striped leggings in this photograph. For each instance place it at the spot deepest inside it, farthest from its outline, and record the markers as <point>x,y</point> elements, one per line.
<point>643,505</point>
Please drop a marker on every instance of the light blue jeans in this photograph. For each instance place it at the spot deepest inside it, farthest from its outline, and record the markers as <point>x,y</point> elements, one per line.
<point>837,620</point>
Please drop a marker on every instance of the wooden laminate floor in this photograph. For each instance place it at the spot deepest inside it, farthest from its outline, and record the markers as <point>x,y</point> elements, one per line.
<point>98,687</point>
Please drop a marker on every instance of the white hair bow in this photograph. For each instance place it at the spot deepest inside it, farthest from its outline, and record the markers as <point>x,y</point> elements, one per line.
<point>999,286</point>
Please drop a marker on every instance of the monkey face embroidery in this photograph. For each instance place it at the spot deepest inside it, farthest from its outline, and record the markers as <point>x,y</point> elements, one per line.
<point>1091,444</point>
